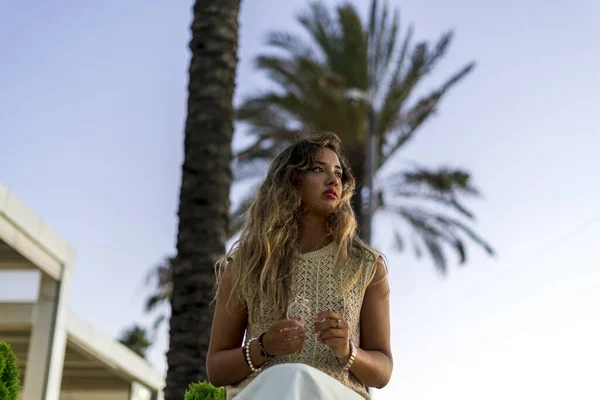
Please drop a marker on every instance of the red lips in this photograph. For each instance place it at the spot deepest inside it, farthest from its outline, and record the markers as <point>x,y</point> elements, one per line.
<point>330,193</point>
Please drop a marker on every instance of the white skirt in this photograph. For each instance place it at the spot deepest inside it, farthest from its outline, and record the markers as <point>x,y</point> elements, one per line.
<point>296,382</point>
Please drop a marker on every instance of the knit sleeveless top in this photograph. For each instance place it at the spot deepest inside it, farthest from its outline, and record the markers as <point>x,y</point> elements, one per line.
<point>316,278</point>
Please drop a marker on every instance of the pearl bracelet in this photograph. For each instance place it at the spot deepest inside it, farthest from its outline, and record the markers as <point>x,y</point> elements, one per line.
<point>248,359</point>
<point>353,351</point>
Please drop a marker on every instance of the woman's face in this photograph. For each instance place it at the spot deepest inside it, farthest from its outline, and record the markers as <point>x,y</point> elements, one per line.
<point>321,185</point>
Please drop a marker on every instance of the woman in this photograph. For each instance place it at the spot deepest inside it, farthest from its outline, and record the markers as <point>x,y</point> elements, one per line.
<point>310,297</point>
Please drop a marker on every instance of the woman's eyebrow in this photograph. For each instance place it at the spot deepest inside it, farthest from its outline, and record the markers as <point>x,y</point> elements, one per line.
<point>323,163</point>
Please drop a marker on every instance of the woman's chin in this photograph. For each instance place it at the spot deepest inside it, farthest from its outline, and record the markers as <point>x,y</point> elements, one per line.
<point>323,208</point>
<point>331,207</point>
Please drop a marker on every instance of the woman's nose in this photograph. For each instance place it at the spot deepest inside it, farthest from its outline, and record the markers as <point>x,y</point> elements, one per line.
<point>333,179</point>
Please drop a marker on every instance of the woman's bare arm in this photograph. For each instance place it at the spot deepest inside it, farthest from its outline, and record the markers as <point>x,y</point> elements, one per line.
<point>373,363</point>
<point>225,362</point>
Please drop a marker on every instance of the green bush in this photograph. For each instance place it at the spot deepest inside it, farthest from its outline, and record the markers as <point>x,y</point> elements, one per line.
<point>204,391</point>
<point>10,384</point>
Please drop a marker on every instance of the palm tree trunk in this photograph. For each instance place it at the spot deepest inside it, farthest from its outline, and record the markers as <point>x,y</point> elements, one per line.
<point>205,184</point>
<point>356,155</point>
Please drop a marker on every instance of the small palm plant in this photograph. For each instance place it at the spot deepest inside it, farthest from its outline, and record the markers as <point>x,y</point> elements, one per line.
<point>137,339</point>
<point>204,391</point>
<point>10,384</point>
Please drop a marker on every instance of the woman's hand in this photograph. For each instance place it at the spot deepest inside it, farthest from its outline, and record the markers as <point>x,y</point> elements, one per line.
<point>284,337</point>
<point>332,330</point>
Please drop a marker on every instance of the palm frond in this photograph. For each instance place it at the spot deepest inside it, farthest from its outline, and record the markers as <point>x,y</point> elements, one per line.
<point>399,240</point>
<point>399,90</point>
<point>158,322</point>
<point>444,180</point>
<point>452,222</point>
<point>378,40</point>
<point>444,186</point>
<point>402,129</point>
<point>437,254</point>
<point>269,125</point>
<point>450,202</point>
<point>286,104</point>
<point>322,28</point>
<point>433,226</point>
<point>433,235</point>
<point>429,234</point>
<point>153,301</point>
<point>406,124</point>
<point>161,273</point>
<point>401,85</point>
<point>136,338</point>
<point>291,44</point>
<point>263,116</point>
<point>283,72</point>
<point>401,60</point>
<point>382,35</point>
<point>373,18</point>
<point>389,41</point>
<point>267,145</point>
<point>354,47</point>
<point>439,51</point>
<point>160,278</point>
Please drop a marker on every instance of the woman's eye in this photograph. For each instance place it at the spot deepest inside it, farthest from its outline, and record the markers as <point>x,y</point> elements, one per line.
<point>319,169</point>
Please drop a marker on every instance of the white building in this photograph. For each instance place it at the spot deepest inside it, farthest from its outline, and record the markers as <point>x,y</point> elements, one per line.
<point>60,356</point>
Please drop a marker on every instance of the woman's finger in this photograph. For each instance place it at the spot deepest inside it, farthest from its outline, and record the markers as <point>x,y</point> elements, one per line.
<point>332,333</point>
<point>296,344</point>
<point>336,324</point>
<point>286,324</point>
<point>291,333</point>
<point>321,326</point>
<point>328,315</point>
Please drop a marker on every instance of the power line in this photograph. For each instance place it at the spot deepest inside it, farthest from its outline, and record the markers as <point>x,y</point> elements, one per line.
<point>556,242</point>
<point>589,289</point>
<point>552,244</point>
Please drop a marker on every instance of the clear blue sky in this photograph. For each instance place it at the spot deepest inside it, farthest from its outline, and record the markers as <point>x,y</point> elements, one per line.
<point>92,107</point>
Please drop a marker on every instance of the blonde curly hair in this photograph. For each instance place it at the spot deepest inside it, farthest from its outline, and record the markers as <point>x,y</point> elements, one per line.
<point>263,255</point>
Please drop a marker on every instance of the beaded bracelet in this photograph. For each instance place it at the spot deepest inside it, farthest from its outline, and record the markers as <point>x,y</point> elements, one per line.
<point>353,351</point>
<point>248,359</point>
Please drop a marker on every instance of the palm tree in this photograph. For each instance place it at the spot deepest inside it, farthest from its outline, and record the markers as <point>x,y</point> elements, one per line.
<point>205,184</point>
<point>161,278</point>
<point>137,339</point>
<point>10,376</point>
<point>312,80</point>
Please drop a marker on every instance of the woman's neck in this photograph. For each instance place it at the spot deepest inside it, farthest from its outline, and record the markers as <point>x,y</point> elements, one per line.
<point>313,234</point>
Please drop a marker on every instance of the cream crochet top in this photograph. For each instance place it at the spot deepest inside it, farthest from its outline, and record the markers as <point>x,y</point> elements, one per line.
<point>316,278</point>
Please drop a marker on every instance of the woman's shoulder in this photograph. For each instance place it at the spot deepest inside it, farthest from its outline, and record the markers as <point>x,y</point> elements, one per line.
<point>366,260</point>
<point>366,252</point>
